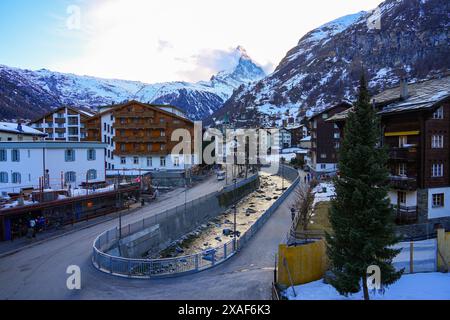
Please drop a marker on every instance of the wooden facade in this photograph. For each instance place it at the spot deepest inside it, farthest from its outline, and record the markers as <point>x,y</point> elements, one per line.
<point>136,130</point>
<point>325,139</point>
<point>415,129</point>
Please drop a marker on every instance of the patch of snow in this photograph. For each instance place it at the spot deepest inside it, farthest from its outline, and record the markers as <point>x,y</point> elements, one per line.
<point>421,286</point>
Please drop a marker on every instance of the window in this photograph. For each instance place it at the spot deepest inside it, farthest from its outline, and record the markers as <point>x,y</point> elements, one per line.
<point>16,177</point>
<point>437,141</point>
<point>108,128</point>
<point>91,155</point>
<point>323,166</point>
<point>150,147</point>
<point>163,147</point>
<point>323,156</point>
<point>438,200</point>
<point>104,138</point>
<point>3,177</point>
<point>325,116</point>
<point>402,141</point>
<point>123,160</point>
<point>109,154</point>
<point>123,121</point>
<point>336,126</point>
<point>70,155</point>
<point>3,155</point>
<point>439,113</point>
<point>92,174</point>
<point>104,127</point>
<point>15,155</point>
<point>123,148</point>
<point>401,169</point>
<point>176,161</point>
<point>337,135</point>
<point>162,161</point>
<point>437,170</point>
<point>70,177</point>
<point>337,145</point>
<point>111,118</point>
<point>149,162</point>
<point>401,197</point>
<point>136,160</point>
<point>163,133</point>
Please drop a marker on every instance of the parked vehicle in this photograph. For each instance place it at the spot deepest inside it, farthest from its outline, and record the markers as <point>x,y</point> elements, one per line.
<point>221,175</point>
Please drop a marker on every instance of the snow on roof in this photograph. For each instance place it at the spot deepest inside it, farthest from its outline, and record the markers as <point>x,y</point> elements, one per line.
<point>13,128</point>
<point>421,95</point>
<point>306,139</point>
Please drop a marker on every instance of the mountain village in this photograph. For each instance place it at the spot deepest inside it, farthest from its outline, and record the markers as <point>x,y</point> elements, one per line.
<point>102,176</point>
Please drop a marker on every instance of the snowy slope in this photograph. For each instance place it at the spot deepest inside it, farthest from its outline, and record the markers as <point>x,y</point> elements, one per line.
<point>326,64</point>
<point>53,89</point>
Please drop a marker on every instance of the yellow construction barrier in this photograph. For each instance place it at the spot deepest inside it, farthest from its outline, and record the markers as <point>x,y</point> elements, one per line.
<point>301,264</point>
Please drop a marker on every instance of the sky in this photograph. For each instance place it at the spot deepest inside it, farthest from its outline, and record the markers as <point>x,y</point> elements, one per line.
<point>157,40</point>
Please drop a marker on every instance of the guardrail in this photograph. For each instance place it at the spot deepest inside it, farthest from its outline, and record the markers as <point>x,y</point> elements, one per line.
<point>160,268</point>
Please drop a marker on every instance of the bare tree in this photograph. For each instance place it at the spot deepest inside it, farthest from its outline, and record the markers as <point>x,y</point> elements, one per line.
<point>303,206</point>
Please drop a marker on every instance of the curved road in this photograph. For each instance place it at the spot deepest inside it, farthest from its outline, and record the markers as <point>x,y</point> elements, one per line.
<point>39,272</point>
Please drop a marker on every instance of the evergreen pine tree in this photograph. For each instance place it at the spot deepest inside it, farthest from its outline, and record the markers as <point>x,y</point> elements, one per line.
<point>361,216</point>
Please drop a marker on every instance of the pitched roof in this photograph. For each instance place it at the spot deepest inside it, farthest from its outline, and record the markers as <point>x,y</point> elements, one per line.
<point>422,95</point>
<point>12,128</point>
<point>152,106</point>
<point>343,102</point>
<point>79,110</point>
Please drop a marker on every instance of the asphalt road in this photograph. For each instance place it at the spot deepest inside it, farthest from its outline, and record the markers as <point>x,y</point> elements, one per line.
<point>39,272</point>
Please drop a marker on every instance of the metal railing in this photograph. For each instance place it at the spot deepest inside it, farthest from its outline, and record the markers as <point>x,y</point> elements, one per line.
<point>160,268</point>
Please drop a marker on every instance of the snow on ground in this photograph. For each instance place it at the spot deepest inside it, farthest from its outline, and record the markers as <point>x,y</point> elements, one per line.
<point>83,192</point>
<point>320,196</point>
<point>420,286</point>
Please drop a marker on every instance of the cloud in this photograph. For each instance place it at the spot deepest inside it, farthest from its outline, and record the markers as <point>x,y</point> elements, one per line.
<point>209,62</point>
<point>179,40</point>
<point>163,45</point>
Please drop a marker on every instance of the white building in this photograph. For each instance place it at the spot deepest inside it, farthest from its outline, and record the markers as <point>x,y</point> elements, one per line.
<point>19,132</point>
<point>282,139</point>
<point>54,165</point>
<point>63,124</point>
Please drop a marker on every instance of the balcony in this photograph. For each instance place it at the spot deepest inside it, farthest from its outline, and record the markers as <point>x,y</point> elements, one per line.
<point>139,139</point>
<point>403,183</point>
<point>138,126</point>
<point>404,154</point>
<point>405,215</point>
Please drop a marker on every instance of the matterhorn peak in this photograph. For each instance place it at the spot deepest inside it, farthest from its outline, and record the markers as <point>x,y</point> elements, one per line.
<point>240,50</point>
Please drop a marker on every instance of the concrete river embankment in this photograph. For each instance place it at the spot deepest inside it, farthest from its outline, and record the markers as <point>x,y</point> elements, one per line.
<point>220,229</point>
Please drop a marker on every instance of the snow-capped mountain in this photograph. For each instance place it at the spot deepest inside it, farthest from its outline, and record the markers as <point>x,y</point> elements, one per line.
<point>26,94</point>
<point>326,65</point>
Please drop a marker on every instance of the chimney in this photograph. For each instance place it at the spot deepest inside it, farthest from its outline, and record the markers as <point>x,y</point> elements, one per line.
<point>19,126</point>
<point>404,94</point>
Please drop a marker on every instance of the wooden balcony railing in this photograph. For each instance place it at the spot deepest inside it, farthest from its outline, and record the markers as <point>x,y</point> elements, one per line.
<point>406,215</point>
<point>403,183</point>
<point>138,126</point>
<point>138,139</point>
<point>404,154</point>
